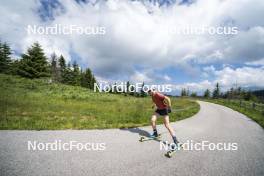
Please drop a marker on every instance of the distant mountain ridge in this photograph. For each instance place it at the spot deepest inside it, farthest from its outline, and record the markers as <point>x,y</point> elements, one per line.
<point>259,93</point>
<point>253,88</point>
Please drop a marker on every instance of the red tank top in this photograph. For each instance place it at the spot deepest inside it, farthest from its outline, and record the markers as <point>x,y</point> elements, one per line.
<point>158,99</point>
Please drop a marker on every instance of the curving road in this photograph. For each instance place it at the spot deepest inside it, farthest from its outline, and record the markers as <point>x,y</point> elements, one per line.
<point>124,155</point>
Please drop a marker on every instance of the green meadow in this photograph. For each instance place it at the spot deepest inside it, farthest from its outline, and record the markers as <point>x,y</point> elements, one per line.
<point>37,104</point>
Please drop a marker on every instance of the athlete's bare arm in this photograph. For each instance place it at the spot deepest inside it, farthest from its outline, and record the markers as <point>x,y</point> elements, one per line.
<point>167,101</point>
<point>153,105</point>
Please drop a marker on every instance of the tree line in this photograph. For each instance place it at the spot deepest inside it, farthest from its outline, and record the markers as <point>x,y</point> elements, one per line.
<point>232,93</point>
<point>131,92</point>
<point>34,64</point>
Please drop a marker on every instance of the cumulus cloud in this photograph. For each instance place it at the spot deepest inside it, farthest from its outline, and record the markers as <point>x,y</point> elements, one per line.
<point>140,77</point>
<point>15,15</point>
<point>245,77</point>
<point>138,35</point>
<point>193,87</point>
<point>150,76</point>
<point>256,63</point>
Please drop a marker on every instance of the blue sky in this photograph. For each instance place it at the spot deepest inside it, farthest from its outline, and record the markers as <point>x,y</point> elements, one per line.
<point>138,44</point>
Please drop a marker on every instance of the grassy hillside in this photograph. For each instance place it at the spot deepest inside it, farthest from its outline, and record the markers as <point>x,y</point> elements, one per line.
<point>38,104</point>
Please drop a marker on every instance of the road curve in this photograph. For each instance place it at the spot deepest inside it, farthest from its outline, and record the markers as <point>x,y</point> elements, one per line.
<point>125,155</point>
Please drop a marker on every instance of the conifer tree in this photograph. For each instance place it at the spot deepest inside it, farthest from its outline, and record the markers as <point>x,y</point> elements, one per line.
<point>68,75</point>
<point>5,59</point>
<point>76,74</point>
<point>216,93</point>
<point>207,93</point>
<point>54,68</point>
<point>34,63</point>
<point>62,69</point>
<point>88,79</point>
<point>142,92</point>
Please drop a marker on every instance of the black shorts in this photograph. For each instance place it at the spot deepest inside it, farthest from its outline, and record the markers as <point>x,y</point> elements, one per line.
<point>162,112</point>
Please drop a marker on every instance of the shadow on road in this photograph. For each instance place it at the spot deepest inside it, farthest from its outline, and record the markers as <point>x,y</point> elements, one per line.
<point>137,130</point>
<point>144,133</point>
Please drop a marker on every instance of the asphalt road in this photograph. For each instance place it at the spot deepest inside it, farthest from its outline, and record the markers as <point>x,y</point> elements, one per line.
<point>125,155</point>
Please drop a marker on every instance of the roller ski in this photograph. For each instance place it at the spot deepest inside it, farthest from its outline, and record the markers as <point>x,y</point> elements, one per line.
<point>174,149</point>
<point>148,138</point>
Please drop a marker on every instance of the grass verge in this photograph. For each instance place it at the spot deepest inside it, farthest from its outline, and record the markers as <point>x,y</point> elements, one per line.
<point>37,105</point>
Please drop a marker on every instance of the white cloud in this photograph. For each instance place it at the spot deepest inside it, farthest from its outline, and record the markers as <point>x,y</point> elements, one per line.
<point>227,77</point>
<point>150,76</point>
<point>244,77</point>
<point>167,78</point>
<point>247,46</point>
<point>15,15</point>
<point>140,77</point>
<point>207,71</point>
<point>256,63</point>
<point>194,87</point>
<point>136,37</point>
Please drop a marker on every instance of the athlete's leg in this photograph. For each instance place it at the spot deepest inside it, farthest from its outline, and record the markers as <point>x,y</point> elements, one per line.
<point>153,124</point>
<point>153,121</point>
<point>166,122</point>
